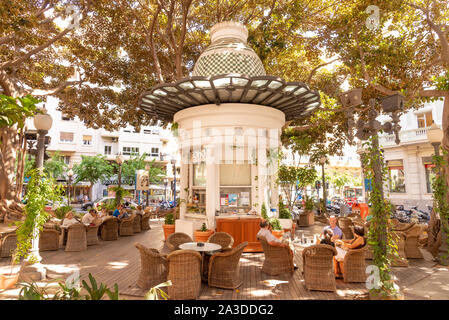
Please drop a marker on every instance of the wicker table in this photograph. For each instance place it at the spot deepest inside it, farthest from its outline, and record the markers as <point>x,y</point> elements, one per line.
<point>208,247</point>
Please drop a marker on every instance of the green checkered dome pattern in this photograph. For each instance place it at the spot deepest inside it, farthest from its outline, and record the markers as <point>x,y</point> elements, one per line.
<point>233,56</point>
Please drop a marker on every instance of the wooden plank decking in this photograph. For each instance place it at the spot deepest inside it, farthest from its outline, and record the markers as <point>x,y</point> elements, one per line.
<point>119,262</point>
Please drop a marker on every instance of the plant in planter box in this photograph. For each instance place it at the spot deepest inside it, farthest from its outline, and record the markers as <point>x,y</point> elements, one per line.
<point>285,218</point>
<point>169,226</point>
<point>309,204</point>
<point>202,234</point>
<point>284,213</point>
<point>276,228</point>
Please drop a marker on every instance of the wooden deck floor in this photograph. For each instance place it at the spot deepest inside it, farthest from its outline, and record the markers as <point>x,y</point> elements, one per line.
<point>119,262</point>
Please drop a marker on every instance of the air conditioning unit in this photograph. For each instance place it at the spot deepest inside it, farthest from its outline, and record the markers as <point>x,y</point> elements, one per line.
<point>114,139</point>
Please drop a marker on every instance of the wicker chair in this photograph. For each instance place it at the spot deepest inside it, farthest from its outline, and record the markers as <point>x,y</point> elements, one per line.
<point>92,235</point>
<point>345,225</point>
<point>153,267</point>
<point>126,226</point>
<point>224,269</point>
<point>306,219</point>
<point>184,272</point>
<point>318,267</point>
<point>354,268</point>
<point>137,226</point>
<point>411,242</point>
<point>109,229</point>
<point>48,240</point>
<point>176,239</point>
<point>8,244</point>
<point>225,240</point>
<point>278,260</point>
<point>145,223</point>
<point>400,261</point>
<point>76,238</point>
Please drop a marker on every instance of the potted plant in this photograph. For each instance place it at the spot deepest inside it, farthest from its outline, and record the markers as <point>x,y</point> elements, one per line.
<point>202,234</point>
<point>285,218</point>
<point>169,226</point>
<point>276,228</point>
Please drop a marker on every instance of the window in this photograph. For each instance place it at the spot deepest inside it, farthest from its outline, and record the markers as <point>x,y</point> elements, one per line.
<point>107,149</point>
<point>155,131</point>
<point>67,160</point>
<point>147,131</point>
<point>127,130</point>
<point>66,117</point>
<point>66,136</point>
<point>396,176</point>
<point>87,140</point>
<point>154,152</point>
<point>130,150</point>
<point>425,119</point>
<point>199,174</point>
<point>430,175</point>
<point>235,174</point>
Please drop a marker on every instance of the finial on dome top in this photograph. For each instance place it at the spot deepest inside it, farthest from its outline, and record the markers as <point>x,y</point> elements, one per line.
<point>229,29</point>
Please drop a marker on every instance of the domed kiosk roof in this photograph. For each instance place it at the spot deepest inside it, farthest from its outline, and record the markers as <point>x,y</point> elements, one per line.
<point>229,71</point>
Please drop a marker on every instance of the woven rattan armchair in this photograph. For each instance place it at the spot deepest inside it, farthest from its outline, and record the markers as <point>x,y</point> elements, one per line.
<point>8,244</point>
<point>76,238</point>
<point>224,239</point>
<point>224,269</point>
<point>411,242</point>
<point>92,235</point>
<point>109,229</point>
<point>318,267</point>
<point>345,225</point>
<point>354,267</point>
<point>278,260</point>
<point>153,267</point>
<point>137,224</point>
<point>126,227</point>
<point>145,223</point>
<point>48,240</point>
<point>184,272</point>
<point>307,218</point>
<point>176,239</point>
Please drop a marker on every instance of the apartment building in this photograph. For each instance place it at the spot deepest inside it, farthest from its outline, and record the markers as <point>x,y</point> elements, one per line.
<point>72,139</point>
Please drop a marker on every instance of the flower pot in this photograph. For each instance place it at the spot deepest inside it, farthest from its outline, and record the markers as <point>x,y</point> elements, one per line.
<point>8,281</point>
<point>168,229</point>
<point>388,297</point>
<point>278,233</point>
<point>202,236</point>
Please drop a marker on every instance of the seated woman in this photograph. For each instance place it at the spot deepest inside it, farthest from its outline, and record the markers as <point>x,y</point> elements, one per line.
<point>69,220</point>
<point>139,210</point>
<point>344,245</point>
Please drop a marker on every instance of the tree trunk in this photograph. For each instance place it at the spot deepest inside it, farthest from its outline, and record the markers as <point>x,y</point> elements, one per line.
<point>8,148</point>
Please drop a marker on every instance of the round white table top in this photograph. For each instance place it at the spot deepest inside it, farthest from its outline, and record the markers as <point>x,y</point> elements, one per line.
<point>193,246</point>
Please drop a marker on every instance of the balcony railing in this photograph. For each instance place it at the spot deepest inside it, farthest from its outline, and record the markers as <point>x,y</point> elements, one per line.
<point>406,137</point>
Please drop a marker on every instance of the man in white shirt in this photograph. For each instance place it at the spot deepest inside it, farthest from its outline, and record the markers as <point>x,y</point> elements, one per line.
<point>89,218</point>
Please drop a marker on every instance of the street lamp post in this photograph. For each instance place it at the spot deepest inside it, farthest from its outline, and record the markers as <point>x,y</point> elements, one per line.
<point>165,189</point>
<point>119,160</point>
<point>69,182</point>
<point>435,136</point>
<point>323,161</point>
<point>173,162</point>
<point>36,271</point>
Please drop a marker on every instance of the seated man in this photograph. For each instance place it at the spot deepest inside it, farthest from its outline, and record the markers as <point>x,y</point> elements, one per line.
<point>120,212</point>
<point>336,231</point>
<point>90,218</point>
<point>271,239</point>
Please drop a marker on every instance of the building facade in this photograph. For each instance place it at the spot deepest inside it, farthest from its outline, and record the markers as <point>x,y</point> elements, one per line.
<point>409,164</point>
<point>72,140</point>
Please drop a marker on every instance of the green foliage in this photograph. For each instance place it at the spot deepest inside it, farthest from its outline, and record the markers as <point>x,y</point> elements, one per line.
<point>169,219</point>
<point>96,292</point>
<point>61,211</point>
<point>41,189</point>
<point>440,194</point>
<point>293,179</point>
<point>284,213</point>
<point>56,166</point>
<point>309,204</point>
<point>381,240</point>
<point>264,212</point>
<point>203,227</point>
<point>93,169</point>
<point>275,224</point>
<point>120,193</point>
<point>16,110</point>
<point>154,292</point>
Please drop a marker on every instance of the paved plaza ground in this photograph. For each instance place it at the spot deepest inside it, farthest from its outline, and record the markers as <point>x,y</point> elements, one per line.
<point>119,262</point>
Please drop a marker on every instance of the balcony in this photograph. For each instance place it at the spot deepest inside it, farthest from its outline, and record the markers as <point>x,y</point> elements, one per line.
<point>111,134</point>
<point>407,137</point>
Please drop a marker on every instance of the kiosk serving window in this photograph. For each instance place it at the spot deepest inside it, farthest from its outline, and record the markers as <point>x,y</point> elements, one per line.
<point>235,187</point>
